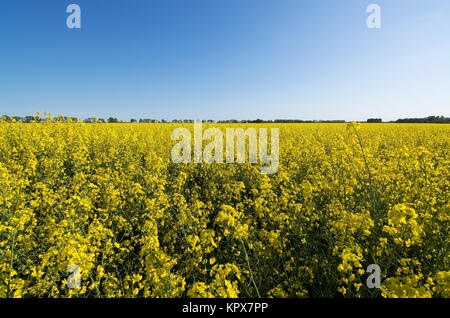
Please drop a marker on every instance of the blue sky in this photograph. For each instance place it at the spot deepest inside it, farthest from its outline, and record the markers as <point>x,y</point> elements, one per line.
<point>222,59</point>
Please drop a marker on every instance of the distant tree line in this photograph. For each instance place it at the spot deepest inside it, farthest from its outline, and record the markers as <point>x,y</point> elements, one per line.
<point>428,120</point>
<point>36,119</point>
<point>30,119</point>
<point>276,121</point>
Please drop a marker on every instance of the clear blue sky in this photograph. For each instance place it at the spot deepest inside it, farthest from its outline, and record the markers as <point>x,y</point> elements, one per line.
<point>222,59</point>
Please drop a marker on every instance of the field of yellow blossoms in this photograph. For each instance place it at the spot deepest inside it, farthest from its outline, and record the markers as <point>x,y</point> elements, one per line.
<point>106,199</point>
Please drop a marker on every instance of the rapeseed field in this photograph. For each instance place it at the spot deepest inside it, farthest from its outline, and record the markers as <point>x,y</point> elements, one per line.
<point>100,210</point>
